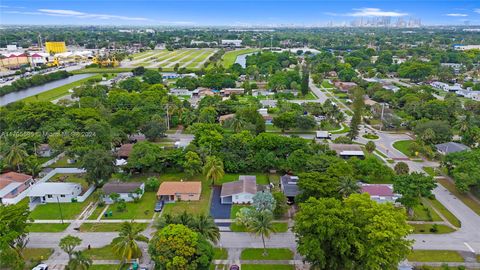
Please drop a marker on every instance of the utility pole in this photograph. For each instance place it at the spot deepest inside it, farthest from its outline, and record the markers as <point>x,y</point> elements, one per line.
<point>60,208</point>
<point>168,118</point>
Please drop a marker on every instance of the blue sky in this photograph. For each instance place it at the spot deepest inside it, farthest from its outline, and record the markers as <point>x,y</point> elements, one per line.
<point>232,12</point>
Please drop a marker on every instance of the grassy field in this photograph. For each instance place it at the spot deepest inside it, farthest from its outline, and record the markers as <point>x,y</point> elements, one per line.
<point>220,254</point>
<point>403,146</point>
<point>47,227</point>
<point>103,253</point>
<point>229,58</point>
<point>52,210</point>
<point>435,256</point>
<point>105,227</point>
<point>466,199</point>
<point>140,210</point>
<point>169,58</point>
<point>59,91</point>
<point>273,254</point>
<point>425,228</point>
<point>267,267</point>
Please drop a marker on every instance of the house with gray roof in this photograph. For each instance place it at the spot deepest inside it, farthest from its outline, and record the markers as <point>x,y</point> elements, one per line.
<point>239,192</point>
<point>289,187</point>
<point>451,147</point>
<point>128,191</point>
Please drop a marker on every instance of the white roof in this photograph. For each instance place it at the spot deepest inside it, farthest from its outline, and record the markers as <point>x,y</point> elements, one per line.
<point>322,133</point>
<point>352,153</point>
<point>120,162</point>
<point>7,189</point>
<point>42,189</point>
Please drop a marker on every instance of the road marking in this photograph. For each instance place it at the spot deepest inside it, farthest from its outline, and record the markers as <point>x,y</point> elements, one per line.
<point>469,247</point>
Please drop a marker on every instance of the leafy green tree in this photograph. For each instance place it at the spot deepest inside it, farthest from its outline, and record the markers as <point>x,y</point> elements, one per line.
<point>152,77</point>
<point>317,185</point>
<point>415,70</point>
<point>464,167</point>
<point>285,120</point>
<point>207,115</point>
<point>33,165</point>
<point>370,147</point>
<point>305,79</point>
<point>13,227</point>
<point>281,206</point>
<point>178,247</point>
<point>193,163</point>
<point>145,156</point>
<point>263,201</point>
<point>69,243</point>
<point>155,128</point>
<point>79,261</point>
<point>152,184</point>
<point>138,71</point>
<point>213,169</point>
<point>358,107</point>
<point>401,168</point>
<point>99,164</point>
<point>126,244</point>
<point>412,187</point>
<point>352,230</point>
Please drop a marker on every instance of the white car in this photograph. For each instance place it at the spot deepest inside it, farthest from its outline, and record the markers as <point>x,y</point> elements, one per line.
<point>41,266</point>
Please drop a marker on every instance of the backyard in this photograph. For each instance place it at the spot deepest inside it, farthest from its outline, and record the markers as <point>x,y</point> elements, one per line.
<point>143,209</point>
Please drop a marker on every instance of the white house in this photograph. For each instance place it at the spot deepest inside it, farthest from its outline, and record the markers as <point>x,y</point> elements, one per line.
<point>241,191</point>
<point>232,42</point>
<point>44,150</point>
<point>180,92</point>
<point>127,191</point>
<point>55,192</point>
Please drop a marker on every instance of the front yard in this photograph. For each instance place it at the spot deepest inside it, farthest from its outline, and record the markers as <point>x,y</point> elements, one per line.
<point>139,210</point>
<point>272,254</point>
<point>103,253</point>
<point>105,227</point>
<point>435,256</point>
<point>52,210</point>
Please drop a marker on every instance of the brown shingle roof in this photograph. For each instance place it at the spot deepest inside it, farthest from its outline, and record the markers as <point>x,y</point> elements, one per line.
<point>10,177</point>
<point>173,188</point>
<point>245,184</point>
<point>119,187</point>
<point>125,150</point>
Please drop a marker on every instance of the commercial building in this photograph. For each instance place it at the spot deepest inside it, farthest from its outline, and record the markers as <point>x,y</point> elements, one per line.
<point>232,42</point>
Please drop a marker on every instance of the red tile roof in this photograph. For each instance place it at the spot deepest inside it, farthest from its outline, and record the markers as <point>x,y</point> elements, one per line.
<point>377,190</point>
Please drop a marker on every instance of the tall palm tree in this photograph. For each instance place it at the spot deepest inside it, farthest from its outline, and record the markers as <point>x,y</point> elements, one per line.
<point>213,169</point>
<point>348,186</point>
<point>16,154</point>
<point>79,261</point>
<point>125,245</point>
<point>262,225</point>
<point>236,124</point>
<point>33,165</point>
<point>205,225</point>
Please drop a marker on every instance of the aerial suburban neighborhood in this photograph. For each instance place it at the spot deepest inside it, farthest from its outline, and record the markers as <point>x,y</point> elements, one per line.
<point>179,135</point>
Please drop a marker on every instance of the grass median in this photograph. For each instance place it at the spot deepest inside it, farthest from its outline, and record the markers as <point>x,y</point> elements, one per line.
<point>272,254</point>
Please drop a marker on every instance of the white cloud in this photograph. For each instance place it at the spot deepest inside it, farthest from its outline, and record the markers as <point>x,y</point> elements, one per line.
<point>83,15</point>
<point>375,12</point>
<point>477,10</point>
<point>456,15</point>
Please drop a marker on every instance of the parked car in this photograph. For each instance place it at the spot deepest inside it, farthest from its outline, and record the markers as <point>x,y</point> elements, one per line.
<point>41,266</point>
<point>159,206</point>
<point>234,267</point>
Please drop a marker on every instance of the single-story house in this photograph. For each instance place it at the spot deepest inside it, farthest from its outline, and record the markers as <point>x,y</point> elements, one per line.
<point>180,92</point>
<point>127,191</point>
<point>345,86</point>
<point>289,187</point>
<point>55,192</point>
<point>179,191</point>
<point>44,150</point>
<point>223,118</point>
<point>270,103</point>
<point>451,147</point>
<point>124,151</point>
<point>226,92</point>
<point>241,191</point>
<point>12,184</point>
<point>347,150</point>
<point>320,134</point>
<point>380,192</point>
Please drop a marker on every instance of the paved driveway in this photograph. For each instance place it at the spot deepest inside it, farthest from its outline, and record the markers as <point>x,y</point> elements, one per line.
<point>218,210</point>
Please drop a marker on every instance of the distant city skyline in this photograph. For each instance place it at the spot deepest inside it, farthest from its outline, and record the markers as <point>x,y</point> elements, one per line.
<point>241,13</point>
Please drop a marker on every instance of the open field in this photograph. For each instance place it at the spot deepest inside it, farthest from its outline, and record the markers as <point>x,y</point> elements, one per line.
<point>192,58</point>
<point>229,58</point>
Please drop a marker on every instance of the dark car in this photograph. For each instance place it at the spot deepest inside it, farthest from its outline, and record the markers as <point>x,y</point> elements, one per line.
<point>159,206</point>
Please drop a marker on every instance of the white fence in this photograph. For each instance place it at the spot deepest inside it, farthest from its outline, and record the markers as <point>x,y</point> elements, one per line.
<point>47,177</point>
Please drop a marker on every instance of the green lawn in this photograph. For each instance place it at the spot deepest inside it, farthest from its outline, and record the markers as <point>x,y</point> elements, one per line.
<point>465,198</point>
<point>430,171</point>
<point>326,84</point>
<point>71,178</point>
<point>425,229</point>
<point>435,256</point>
<point>47,227</point>
<point>279,227</point>
<point>273,254</point>
<point>445,212</point>
<point>229,58</point>
<point>103,253</point>
<point>62,163</point>
<point>370,136</point>
<point>105,227</point>
<point>344,129</point>
<point>96,212</point>
<point>262,178</point>
<point>424,212</point>
<point>404,147</point>
<point>52,210</point>
<point>37,253</point>
<point>267,267</point>
<point>220,254</point>
<point>140,210</point>
<point>59,91</point>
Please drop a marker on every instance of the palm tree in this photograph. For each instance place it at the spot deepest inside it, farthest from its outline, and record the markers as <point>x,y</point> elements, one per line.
<point>236,124</point>
<point>213,169</point>
<point>79,261</point>
<point>262,224</point>
<point>33,165</point>
<point>125,245</point>
<point>348,186</point>
<point>205,225</point>
<point>16,154</point>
